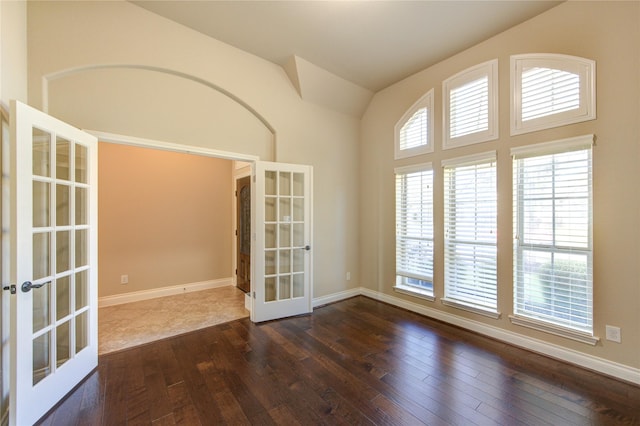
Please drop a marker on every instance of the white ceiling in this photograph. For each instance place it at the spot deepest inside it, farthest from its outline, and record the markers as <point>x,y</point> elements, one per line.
<point>371,43</point>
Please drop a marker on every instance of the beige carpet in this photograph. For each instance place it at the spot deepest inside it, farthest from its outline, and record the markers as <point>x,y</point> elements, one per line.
<point>132,324</point>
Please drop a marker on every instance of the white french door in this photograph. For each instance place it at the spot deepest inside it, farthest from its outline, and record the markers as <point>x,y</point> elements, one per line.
<point>282,278</point>
<point>53,320</point>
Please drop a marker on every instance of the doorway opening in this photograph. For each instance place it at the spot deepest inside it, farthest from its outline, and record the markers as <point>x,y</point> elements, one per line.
<point>167,244</point>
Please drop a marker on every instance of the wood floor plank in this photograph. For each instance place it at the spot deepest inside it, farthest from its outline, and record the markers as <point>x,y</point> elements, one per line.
<point>358,361</point>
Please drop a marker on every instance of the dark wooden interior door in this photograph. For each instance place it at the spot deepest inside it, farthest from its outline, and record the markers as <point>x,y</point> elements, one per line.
<point>243,233</point>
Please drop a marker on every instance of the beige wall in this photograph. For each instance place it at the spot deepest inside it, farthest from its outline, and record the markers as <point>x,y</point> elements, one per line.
<point>132,67</point>
<point>607,32</point>
<point>13,51</point>
<point>165,218</point>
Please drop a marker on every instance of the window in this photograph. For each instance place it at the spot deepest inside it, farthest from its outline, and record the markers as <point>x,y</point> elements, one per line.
<point>549,90</point>
<point>414,131</point>
<point>470,241</point>
<point>471,106</point>
<point>553,254</point>
<point>414,229</point>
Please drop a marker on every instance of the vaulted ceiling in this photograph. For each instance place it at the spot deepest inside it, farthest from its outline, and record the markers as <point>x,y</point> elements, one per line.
<point>370,43</point>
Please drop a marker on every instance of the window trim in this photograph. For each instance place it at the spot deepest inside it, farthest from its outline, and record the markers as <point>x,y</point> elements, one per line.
<point>405,288</point>
<point>427,102</point>
<point>585,68</point>
<point>490,69</point>
<point>522,319</point>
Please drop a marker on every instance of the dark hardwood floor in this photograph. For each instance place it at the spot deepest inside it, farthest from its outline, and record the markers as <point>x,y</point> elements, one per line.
<point>354,362</point>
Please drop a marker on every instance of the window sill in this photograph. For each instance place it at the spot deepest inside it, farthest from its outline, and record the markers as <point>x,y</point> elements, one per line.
<point>554,329</point>
<point>469,308</point>
<point>415,292</point>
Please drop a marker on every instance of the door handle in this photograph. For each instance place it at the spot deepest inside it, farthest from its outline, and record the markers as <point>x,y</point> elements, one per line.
<point>28,285</point>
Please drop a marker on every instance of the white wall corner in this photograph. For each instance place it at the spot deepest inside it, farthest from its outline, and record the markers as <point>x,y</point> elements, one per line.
<point>319,86</point>
<point>603,366</point>
<point>291,69</point>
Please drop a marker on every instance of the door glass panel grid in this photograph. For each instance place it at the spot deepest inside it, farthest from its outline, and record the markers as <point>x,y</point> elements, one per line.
<point>284,235</point>
<point>60,251</point>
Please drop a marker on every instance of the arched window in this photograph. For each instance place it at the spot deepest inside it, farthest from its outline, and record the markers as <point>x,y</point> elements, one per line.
<point>470,105</point>
<point>414,131</point>
<point>551,90</point>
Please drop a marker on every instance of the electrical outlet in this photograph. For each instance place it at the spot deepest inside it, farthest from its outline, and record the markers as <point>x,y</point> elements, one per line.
<point>613,334</point>
<point>124,279</point>
<point>348,276</point>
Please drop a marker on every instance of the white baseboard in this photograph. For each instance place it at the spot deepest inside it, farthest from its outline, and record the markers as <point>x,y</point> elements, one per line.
<point>136,296</point>
<point>609,368</point>
<point>336,297</point>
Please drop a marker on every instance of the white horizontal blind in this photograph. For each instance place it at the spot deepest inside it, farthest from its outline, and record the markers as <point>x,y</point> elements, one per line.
<point>469,108</point>
<point>550,90</point>
<point>414,228</point>
<point>553,247</point>
<point>470,233</point>
<point>414,132</point>
<point>547,91</point>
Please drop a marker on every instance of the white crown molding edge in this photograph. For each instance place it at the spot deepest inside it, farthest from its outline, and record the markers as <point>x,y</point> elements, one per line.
<point>600,365</point>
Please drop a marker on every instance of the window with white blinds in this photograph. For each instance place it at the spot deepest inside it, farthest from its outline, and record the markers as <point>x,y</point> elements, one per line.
<point>553,254</point>
<point>414,227</point>
<point>470,106</point>
<point>470,245</point>
<point>414,131</point>
<point>550,90</point>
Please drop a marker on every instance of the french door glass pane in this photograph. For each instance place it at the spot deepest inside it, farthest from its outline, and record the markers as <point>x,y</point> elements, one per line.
<point>41,255</point>
<point>285,183</point>
<point>298,209</point>
<point>285,209</point>
<point>63,201</point>
<point>270,262</point>
<point>285,287</point>
<point>82,298</point>
<point>82,331</point>
<point>63,297</point>
<point>270,235</point>
<point>41,153</point>
<point>81,248</point>
<point>298,235</point>
<point>81,168</point>
<point>298,185</point>
<point>41,203</point>
<point>41,307</point>
<point>298,285</point>
<point>270,183</point>
<point>41,359</point>
<point>82,214</point>
<point>270,214</point>
<point>298,261</point>
<point>270,289</point>
<point>63,251</point>
<point>285,262</point>
<point>63,343</point>
<point>63,155</point>
<point>285,235</point>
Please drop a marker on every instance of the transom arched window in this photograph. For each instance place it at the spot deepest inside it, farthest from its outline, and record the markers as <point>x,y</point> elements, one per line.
<point>551,90</point>
<point>414,131</point>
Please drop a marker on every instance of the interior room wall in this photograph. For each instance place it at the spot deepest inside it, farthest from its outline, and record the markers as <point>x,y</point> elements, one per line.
<point>607,32</point>
<point>165,219</point>
<point>118,40</point>
<point>13,51</point>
